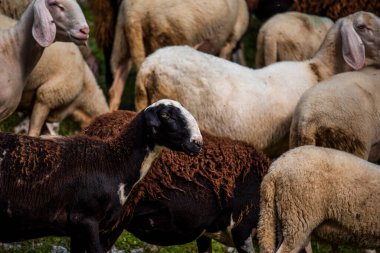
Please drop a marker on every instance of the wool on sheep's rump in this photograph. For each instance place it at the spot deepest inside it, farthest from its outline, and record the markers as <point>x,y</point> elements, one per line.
<point>336,9</point>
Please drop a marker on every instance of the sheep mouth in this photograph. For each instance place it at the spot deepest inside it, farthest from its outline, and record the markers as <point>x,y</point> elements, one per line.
<point>79,39</point>
<point>191,149</point>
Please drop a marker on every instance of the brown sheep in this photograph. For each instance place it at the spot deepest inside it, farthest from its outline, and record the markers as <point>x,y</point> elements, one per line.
<point>213,195</point>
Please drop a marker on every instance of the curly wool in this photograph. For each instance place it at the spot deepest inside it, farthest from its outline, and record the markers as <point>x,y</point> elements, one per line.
<point>220,163</point>
<point>336,9</point>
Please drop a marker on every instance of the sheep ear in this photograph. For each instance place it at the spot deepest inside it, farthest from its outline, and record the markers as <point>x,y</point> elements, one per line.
<point>152,120</point>
<point>43,25</point>
<point>352,46</point>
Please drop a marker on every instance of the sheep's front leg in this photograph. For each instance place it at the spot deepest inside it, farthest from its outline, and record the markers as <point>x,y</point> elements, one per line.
<point>241,235</point>
<point>38,118</point>
<point>204,244</point>
<point>86,236</point>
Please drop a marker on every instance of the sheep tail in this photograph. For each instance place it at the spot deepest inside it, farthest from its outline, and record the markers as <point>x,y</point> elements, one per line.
<point>120,52</point>
<point>301,134</point>
<point>268,216</point>
<point>260,51</point>
<point>266,50</point>
<point>143,80</point>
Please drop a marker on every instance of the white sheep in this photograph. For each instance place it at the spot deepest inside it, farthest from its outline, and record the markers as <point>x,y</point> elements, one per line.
<point>56,93</point>
<point>144,26</point>
<point>58,85</point>
<point>255,106</point>
<point>21,46</point>
<point>330,193</point>
<point>290,36</point>
<point>342,112</point>
<point>15,9</point>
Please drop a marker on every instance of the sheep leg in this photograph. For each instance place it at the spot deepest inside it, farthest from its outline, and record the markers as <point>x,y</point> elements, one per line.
<point>204,244</point>
<point>294,243</point>
<point>226,51</point>
<point>295,232</point>
<point>118,84</point>
<point>88,232</point>
<point>241,235</point>
<point>82,117</point>
<point>38,118</point>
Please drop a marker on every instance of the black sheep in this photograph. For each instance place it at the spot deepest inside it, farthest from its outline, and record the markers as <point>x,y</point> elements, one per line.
<point>76,186</point>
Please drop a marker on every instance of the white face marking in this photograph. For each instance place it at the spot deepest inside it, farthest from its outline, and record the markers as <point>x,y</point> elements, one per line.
<point>191,123</point>
<point>145,166</point>
<point>121,194</point>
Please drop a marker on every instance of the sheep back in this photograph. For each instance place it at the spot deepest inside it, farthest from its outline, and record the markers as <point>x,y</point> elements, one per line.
<point>283,37</point>
<point>211,24</point>
<point>237,96</point>
<point>341,112</point>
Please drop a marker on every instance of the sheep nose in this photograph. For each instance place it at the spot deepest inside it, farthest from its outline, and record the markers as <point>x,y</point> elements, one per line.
<point>85,30</point>
<point>197,139</point>
<point>198,143</point>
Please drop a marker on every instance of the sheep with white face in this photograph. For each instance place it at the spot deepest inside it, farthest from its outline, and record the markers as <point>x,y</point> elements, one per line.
<point>21,46</point>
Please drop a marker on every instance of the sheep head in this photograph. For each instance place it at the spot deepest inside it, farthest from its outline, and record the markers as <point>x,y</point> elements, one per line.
<point>360,36</point>
<point>169,124</point>
<point>61,20</point>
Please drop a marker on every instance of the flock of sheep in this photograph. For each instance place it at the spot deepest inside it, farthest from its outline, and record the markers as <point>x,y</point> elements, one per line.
<point>278,153</point>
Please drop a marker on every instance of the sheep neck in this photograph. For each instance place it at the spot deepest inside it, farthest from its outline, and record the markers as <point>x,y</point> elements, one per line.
<point>133,147</point>
<point>28,51</point>
<point>329,59</point>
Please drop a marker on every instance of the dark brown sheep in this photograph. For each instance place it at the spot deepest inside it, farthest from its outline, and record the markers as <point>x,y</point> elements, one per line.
<point>334,9</point>
<point>181,199</point>
<point>76,186</point>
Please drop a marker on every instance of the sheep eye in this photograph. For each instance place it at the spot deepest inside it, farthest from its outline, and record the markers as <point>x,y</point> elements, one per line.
<point>361,27</point>
<point>58,5</point>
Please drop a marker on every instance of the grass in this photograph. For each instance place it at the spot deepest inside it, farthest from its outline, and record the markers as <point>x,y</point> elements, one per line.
<point>126,241</point>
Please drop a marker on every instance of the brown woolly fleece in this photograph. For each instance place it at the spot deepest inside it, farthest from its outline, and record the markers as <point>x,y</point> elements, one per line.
<point>336,9</point>
<point>219,164</point>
